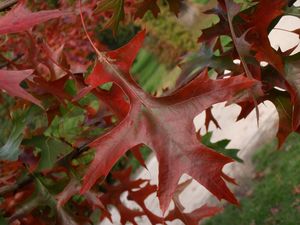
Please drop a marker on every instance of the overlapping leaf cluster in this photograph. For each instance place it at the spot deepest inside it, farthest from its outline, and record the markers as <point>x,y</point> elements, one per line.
<point>78,110</point>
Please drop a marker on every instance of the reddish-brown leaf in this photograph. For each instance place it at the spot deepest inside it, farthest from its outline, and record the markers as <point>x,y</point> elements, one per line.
<point>146,5</point>
<point>175,6</point>
<point>209,117</point>
<point>166,125</point>
<point>10,82</point>
<point>138,155</point>
<point>114,192</point>
<point>221,28</point>
<point>218,29</point>
<point>139,197</point>
<point>194,217</point>
<point>283,104</point>
<point>73,188</point>
<point>21,19</point>
<point>260,22</point>
<point>296,190</point>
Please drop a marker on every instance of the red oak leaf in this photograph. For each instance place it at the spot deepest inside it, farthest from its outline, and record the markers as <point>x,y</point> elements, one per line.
<point>138,155</point>
<point>73,188</point>
<point>195,216</point>
<point>209,117</point>
<point>165,124</point>
<point>146,5</point>
<point>112,98</point>
<point>220,28</point>
<point>113,196</point>
<point>123,58</point>
<point>283,104</point>
<point>56,88</point>
<point>260,22</point>
<point>10,82</point>
<point>21,19</point>
<point>139,197</point>
<point>175,6</point>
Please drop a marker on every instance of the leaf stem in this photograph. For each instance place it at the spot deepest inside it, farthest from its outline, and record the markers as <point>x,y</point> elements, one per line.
<point>246,68</point>
<point>19,184</point>
<point>107,62</point>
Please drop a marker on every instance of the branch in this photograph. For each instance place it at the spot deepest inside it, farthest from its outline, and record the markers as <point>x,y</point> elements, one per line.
<point>29,178</point>
<point>7,4</point>
<point>11,61</point>
<point>19,184</point>
<point>72,155</point>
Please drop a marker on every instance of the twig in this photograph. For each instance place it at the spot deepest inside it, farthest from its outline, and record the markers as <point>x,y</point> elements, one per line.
<point>19,184</point>
<point>29,178</point>
<point>11,61</point>
<point>243,61</point>
<point>6,4</point>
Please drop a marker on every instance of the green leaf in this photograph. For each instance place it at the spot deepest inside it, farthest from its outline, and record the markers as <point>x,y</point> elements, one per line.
<point>292,11</point>
<point>107,86</point>
<point>10,150</point>
<point>51,150</point>
<point>69,126</point>
<point>70,87</point>
<point>205,57</point>
<point>220,146</point>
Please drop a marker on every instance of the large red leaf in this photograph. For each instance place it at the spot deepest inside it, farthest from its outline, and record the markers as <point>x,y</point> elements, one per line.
<point>122,57</point>
<point>21,19</point>
<point>10,82</point>
<point>166,125</point>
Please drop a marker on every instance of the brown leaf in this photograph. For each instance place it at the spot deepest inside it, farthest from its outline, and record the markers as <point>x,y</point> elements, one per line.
<point>296,190</point>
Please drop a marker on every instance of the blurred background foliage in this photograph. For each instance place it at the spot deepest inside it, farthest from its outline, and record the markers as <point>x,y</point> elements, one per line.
<point>273,196</point>
<point>169,39</point>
